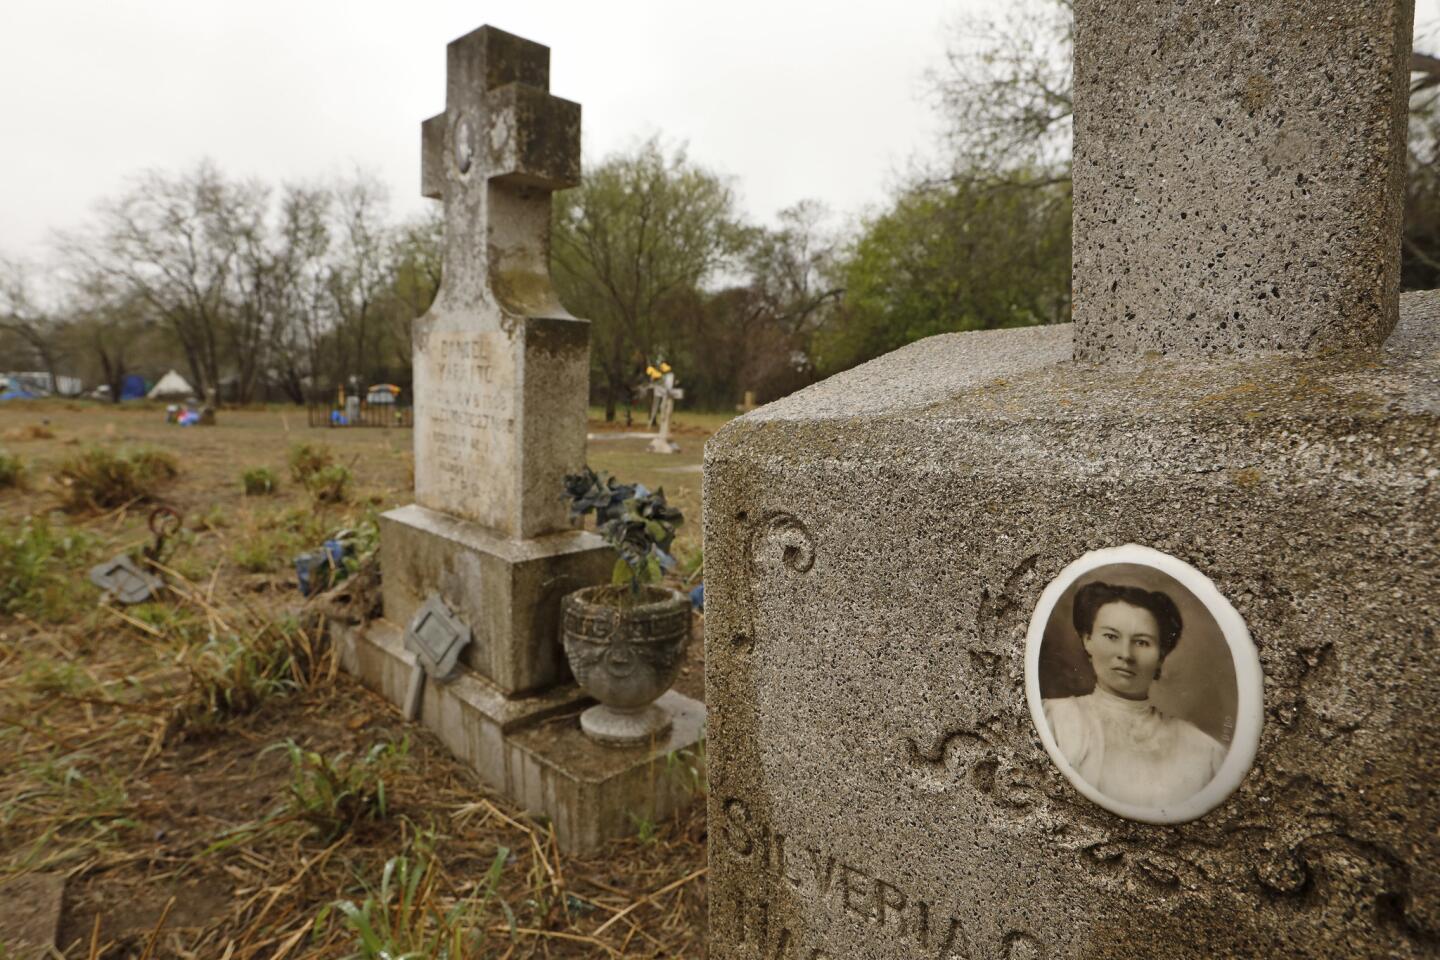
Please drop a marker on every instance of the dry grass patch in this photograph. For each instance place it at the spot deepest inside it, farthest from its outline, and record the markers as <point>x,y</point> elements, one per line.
<point>144,750</point>
<point>31,431</point>
<point>95,479</point>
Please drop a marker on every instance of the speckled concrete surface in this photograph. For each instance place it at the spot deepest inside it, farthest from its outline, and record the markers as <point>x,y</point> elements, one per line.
<point>1239,172</point>
<point>874,546</point>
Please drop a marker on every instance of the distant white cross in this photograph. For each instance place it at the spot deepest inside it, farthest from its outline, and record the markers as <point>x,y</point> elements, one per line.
<point>666,393</point>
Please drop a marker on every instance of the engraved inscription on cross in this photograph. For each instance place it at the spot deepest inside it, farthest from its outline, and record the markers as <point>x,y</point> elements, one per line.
<point>501,147</point>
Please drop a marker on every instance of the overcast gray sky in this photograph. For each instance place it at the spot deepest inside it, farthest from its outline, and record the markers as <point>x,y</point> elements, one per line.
<point>794,98</point>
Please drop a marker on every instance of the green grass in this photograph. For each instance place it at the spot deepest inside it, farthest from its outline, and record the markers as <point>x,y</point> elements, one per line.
<point>264,552</point>
<point>329,484</point>
<point>38,570</point>
<point>407,917</point>
<point>308,459</point>
<point>258,481</point>
<point>12,470</point>
<point>333,794</point>
<point>232,674</point>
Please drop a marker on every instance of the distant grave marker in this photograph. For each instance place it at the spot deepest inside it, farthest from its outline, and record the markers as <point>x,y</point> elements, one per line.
<point>120,577</point>
<point>666,393</point>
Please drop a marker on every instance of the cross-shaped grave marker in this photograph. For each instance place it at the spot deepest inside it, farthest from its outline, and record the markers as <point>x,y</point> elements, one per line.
<point>477,566</point>
<point>666,393</point>
<point>501,370</point>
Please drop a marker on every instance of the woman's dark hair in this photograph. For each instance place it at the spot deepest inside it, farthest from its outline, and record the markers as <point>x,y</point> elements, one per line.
<point>1091,597</point>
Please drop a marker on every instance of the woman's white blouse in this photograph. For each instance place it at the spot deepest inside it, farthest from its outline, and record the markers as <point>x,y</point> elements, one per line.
<point>1130,751</point>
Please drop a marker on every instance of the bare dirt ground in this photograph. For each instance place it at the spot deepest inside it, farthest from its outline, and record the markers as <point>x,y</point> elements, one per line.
<point>203,781</point>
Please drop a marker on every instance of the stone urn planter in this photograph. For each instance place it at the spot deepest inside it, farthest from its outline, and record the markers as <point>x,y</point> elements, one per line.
<point>624,648</point>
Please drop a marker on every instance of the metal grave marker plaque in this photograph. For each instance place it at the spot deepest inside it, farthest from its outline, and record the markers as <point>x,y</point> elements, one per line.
<point>121,578</point>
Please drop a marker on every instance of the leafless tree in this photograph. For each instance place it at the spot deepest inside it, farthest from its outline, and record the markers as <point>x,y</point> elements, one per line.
<point>25,321</point>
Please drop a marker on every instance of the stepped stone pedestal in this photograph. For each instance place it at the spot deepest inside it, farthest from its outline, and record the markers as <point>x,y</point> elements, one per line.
<point>532,749</point>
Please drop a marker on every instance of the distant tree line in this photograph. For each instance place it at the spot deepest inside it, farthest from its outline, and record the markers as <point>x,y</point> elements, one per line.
<point>268,293</point>
<point>252,292</point>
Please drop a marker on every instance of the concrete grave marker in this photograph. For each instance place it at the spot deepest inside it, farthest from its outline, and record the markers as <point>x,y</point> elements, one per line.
<point>1274,228</point>
<point>666,393</point>
<point>501,372</point>
<point>501,369</point>
<point>500,402</point>
<point>437,639</point>
<point>876,546</point>
<point>125,581</point>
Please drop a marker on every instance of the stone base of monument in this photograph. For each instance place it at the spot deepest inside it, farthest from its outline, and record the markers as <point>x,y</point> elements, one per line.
<point>532,749</point>
<point>507,591</point>
<point>875,546</point>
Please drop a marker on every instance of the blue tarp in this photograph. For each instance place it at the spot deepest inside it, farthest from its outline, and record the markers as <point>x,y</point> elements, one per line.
<point>133,388</point>
<point>19,393</point>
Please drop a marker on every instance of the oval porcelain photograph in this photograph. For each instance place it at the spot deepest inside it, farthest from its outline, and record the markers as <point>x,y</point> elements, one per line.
<point>1144,684</point>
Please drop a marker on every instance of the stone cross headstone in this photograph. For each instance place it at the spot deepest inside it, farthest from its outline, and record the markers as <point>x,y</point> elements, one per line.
<point>666,393</point>
<point>501,371</point>
<point>917,747</point>
<point>487,551</point>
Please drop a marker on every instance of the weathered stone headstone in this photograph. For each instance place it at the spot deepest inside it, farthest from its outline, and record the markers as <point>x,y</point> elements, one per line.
<point>875,552</point>
<point>501,385</point>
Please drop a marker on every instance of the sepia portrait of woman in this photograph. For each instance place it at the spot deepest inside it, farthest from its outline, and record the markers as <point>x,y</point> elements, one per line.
<point>1116,737</point>
<point>1144,684</point>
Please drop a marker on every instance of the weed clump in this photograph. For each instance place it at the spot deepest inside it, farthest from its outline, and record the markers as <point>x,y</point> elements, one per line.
<point>261,553</point>
<point>12,470</point>
<point>34,561</point>
<point>258,482</point>
<point>308,459</point>
<point>330,484</point>
<point>410,916</point>
<point>333,794</point>
<point>233,674</point>
<point>96,479</point>
<point>211,520</point>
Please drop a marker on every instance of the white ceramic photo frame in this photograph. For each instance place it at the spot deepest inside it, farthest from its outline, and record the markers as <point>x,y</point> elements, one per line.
<point>1248,677</point>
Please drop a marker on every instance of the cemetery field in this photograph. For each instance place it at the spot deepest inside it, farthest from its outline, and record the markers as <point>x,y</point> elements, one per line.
<point>193,777</point>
